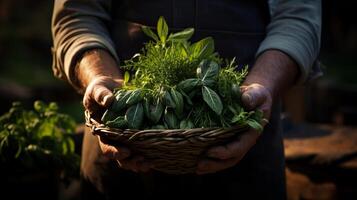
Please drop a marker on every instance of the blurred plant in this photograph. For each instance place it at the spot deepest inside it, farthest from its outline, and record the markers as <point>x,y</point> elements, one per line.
<point>38,139</point>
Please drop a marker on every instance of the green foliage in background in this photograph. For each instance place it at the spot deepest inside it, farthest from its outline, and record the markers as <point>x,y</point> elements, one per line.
<point>38,139</point>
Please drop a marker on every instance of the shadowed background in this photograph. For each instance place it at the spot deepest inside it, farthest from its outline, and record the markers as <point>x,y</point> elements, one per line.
<point>319,118</point>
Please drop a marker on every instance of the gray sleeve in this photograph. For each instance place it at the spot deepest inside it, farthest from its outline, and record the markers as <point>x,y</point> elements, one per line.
<point>77,26</point>
<point>295,29</point>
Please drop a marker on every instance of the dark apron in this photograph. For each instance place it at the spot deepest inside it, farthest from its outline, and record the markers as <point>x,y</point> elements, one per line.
<point>238,27</point>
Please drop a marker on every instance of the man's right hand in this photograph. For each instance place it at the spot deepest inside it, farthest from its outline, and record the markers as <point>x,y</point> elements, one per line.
<point>98,75</point>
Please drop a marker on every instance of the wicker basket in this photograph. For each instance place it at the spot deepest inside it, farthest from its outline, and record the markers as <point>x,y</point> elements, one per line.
<point>173,151</point>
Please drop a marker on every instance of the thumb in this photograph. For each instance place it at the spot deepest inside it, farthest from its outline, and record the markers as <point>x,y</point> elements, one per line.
<point>102,95</point>
<point>253,96</point>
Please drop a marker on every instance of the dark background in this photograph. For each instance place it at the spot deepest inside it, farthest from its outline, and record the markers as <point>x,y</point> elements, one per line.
<point>26,75</point>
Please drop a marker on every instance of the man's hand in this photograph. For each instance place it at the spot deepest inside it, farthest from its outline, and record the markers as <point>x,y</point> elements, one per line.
<point>222,157</point>
<point>98,75</point>
<point>272,74</point>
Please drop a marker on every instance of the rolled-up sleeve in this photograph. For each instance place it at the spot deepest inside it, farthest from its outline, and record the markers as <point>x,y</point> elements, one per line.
<point>78,26</point>
<point>295,29</point>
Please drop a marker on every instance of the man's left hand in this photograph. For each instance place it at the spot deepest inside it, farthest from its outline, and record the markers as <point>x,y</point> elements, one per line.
<point>254,96</point>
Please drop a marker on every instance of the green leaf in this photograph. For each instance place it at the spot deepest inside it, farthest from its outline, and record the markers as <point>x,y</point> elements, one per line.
<point>159,127</point>
<point>186,124</point>
<point>208,70</point>
<point>162,29</point>
<point>177,98</point>
<point>108,115</point>
<point>121,96</point>
<point>135,97</point>
<point>149,33</point>
<point>212,99</point>
<point>188,85</point>
<point>119,122</point>
<point>236,93</point>
<point>255,125</point>
<point>153,111</point>
<point>203,48</point>
<point>126,77</point>
<point>39,106</point>
<point>169,102</point>
<point>171,119</point>
<point>188,99</point>
<point>185,35</point>
<point>135,115</point>
<point>71,144</point>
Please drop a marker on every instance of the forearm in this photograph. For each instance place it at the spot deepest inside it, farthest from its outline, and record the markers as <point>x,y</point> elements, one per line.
<point>274,70</point>
<point>78,27</point>
<point>295,30</point>
<point>96,63</point>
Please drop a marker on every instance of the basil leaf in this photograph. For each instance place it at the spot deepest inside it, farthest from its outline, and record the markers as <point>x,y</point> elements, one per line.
<point>135,115</point>
<point>134,97</point>
<point>158,127</point>
<point>212,99</point>
<point>188,99</point>
<point>169,102</point>
<point>108,115</point>
<point>203,48</point>
<point>153,112</point>
<point>186,124</point>
<point>121,96</point>
<point>186,34</point>
<point>119,122</point>
<point>188,85</point>
<point>177,98</point>
<point>170,119</point>
<point>207,70</point>
<point>149,33</point>
<point>162,29</point>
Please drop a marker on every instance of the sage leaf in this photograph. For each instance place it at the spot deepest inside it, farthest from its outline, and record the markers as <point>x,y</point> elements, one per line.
<point>207,70</point>
<point>171,119</point>
<point>153,111</point>
<point>119,122</point>
<point>186,34</point>
<point>186,124</point>
<point>188,85</point>
<point>162,29</point>
<point>134,116</point>
<point>135,97</point>
<point>186,97</point>
<point>121,96</point>
<point>149,33</point>
<point>108,115</point>
<point>169,102</point>
<point>178,99</point>
<point>212,99</point>
<point>159,127</point>
<point>203,48</point>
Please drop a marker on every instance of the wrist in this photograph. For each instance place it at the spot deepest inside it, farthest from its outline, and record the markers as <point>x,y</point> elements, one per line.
<point>94,64</point>
<point>274,70</point>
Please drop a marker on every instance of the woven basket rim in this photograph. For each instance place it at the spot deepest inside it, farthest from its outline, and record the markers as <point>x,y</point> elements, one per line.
<point>96,125</point>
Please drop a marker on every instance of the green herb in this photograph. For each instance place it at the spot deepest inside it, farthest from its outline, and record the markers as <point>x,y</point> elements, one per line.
<point>37,139</point>
<point>174,83</point>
